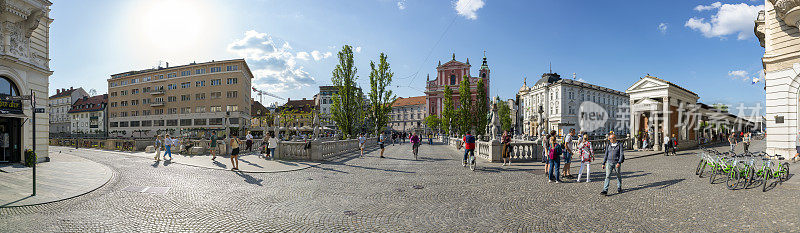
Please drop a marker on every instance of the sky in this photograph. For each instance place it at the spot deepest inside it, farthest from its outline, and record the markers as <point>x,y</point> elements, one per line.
<point>291,46</point>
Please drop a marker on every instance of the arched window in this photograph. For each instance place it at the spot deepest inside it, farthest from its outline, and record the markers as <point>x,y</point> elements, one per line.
<point>7,87</point>
<point>452,79</point>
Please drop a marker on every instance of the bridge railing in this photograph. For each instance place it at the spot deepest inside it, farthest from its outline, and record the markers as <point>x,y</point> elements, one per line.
<point>523,150</point>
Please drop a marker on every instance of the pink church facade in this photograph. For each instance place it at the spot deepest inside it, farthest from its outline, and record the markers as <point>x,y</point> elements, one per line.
<point>451,74</point>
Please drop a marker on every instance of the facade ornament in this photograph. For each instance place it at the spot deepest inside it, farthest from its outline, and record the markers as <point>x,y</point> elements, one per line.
<point>760,27</point>
<point>494,120</point>
<point>788,10</point>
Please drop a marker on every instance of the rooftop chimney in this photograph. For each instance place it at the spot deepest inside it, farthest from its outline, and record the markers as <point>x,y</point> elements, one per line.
<point>58,91</point>
<point>167,64</point>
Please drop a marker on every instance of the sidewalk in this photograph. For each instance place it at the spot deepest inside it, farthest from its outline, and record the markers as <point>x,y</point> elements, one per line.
<point>247,163</point>
<point>64,177</point>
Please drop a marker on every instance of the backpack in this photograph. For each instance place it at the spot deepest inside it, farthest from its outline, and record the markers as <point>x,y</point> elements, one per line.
<point>469,139</point>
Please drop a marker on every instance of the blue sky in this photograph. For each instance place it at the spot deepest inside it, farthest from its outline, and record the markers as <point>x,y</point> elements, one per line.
<point>704,46</point>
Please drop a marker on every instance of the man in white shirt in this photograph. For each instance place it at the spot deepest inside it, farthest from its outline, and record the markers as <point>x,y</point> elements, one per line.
<point>380,143</point>
<point>249,141</point>
<point>667,145</point>
<point>361,141</point>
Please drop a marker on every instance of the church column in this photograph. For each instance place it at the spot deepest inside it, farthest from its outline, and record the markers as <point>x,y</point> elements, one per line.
<point>667,125</point>
<point>656,141</point>
<point>634,119</point>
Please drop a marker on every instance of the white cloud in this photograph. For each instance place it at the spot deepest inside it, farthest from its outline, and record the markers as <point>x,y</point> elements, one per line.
<point>730,19</point>
<point>715,5</point>
<point>662,27</point>
<point>401,4</point>
<point>468,8</point>
<point>273,63</point>
<point>358,49</point>
<point>738,74</point>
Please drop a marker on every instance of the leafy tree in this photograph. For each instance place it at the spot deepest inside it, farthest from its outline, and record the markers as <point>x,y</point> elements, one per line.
<point>505,115</point>
<point>481,108</point>
<point>720,106</point>
<point>448,114</point>
<point>347,110</point>
<point>432,122</point>
<point>464,112</point>
<point>381,100</point>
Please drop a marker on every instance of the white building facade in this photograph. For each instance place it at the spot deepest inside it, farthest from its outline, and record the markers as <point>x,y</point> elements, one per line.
<point>88,115</point>
<point>777,29</point>
<point>59,105</point>
<point>554,103</point>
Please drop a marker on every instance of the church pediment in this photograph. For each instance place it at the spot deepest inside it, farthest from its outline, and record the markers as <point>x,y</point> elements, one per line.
<point>453,63</point>
<point>647,83</point>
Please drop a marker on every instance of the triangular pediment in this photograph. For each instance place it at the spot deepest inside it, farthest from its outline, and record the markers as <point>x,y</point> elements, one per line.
<point>647,83</point>
<point>454,63</point>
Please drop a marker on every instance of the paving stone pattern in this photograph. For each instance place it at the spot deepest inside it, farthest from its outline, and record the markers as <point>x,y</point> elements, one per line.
<point>399,194</point>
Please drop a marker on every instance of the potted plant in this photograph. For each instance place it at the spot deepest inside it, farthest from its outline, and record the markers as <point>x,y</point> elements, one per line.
<point>30,157</point>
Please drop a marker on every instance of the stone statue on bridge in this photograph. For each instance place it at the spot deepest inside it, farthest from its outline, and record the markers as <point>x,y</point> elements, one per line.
<point>494,121</point>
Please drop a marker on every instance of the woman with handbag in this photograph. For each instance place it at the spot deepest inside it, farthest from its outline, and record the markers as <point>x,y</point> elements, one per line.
<point>586,155</point>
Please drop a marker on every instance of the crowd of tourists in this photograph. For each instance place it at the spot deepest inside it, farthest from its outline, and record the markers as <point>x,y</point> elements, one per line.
<point>555,151</point>
<point>168,144</point>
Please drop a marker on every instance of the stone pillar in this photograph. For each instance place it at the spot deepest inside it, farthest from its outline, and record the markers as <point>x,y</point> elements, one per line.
<point>314,151</point>
<point>634,122</point>
<point>496,150</point>
<point>656,141</point>
<point>667,124</point>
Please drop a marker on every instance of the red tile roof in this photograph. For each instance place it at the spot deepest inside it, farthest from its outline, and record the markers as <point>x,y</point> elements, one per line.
<point>90,104</point>
<point>416,100</point>
<point>305,106</point>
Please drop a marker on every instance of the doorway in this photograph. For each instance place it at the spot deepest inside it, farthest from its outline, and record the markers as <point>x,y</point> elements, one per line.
<point>10,140</point>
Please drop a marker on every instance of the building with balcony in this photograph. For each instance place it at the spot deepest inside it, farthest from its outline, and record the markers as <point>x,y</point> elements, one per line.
<point>408,114</point>
<point>181,100</point>
<point>24,70</point>
<point>777,29</point>
<point>88,115</point>
<point>59,105</point>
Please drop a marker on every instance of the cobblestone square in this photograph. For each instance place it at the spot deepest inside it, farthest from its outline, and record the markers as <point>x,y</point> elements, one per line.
<point>399,194</point>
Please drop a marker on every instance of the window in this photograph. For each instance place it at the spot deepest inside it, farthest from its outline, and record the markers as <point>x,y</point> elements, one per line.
<point>215,121</point>
<point>136,80</point>
<point>134,102</point>
<point>216,95</point>
<point>233,81</point>
<point>123,124</point>
<point>172,99</point>
<point>172,111</point>
<point>231,68</point>
<point>200,83</point>
<point>113,104</point>
<point>172,86</point>
<point>145,89</point>
<point>215,69</point>
<point>159,100</point>
<point>200,109</point>
<point>147,123</point>
<point>146,79</point>
<point>172,122</point>
<point>200,71</point>
<point>160,76</point>
<point>200,96</point>
<point>123,114</point>
<point>123,92</point>
<point>216,109</point>
<point>186,84</point>
<point>185,98</point>
<point>186,122</point>
<point>158,111</point>
<point>215,82</point>
<point>172,75</point>
<point>114,124</point>
<point>232,94</point>
<point>146,112</point>
<point>186,110</point>
<point>113,94</point>
<point>235,121</point>
<point>185,73</point>
<point>199,121</point>
<point>452,79</point>
<point>232,108</point>
<point>158,122</point>
<point>135,123</point>
<point>145,101</point>
<point>124,103</point>
<point>124,83</point>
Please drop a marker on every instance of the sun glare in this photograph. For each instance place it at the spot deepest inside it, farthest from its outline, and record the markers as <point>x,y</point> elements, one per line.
<point>172,24</point>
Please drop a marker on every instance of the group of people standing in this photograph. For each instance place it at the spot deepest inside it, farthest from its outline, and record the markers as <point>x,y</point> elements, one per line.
<point>415,140</point>
<point>235,143</point>
<point>740,137</point>
<point>555,151</point>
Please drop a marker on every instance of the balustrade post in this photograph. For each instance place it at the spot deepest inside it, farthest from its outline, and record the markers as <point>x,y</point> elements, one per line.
<point>315,151</point>
<point>496,150</point>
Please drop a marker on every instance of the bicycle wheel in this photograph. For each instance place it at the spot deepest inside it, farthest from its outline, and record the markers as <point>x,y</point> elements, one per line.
<point>472,164</point>
<point>767,174</point>
<point>699,165</point>
<point>751,172</point>
<point>714,172</point>
<point>702,170</point>
<point>733,179</point>
<point>784,172</point>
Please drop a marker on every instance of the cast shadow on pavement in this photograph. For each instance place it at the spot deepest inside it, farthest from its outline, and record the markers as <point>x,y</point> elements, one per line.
<point>219,164</point>
<point>249,179</point>
<point>251,164</point>
<point>658,184</point>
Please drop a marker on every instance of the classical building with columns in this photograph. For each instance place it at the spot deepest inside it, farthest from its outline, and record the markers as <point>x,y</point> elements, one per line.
<point>660,107</point>
<point>24,70</point>
<point>450,75</point>
<point>777,30</point>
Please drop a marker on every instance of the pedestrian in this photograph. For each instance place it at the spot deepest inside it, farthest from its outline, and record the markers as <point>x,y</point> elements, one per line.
<point>157,145</point>
<point>586,156</point>
<point>235,153</point>
<point>168,147</point>
<point>249,141</point>
<point>430,138</point>
<point>380,143</point>
<point>667,144</point>
<point>469,147</point>
<point>612,162</point>
<point>797,148</point>
<point>506,141</point>
<point>674,143</point>
<point>746,142</point>
<point>554,155</point>
<point>415,143</point>
<point>213,147</point>
<point>361,141</point>
<point>644,141</point>
<point>568,153</point>
<point>732,141</point>
<point>272,143</point>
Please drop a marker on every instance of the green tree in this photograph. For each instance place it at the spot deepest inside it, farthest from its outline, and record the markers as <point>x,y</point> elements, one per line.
<point>720,106</point>
<point>481,108</point>
<point>432,122</point>
<point>347,110</point>
<point>380,99</point>
<point>505,115</point>
<point>464,112</point>
<point>448,114</point>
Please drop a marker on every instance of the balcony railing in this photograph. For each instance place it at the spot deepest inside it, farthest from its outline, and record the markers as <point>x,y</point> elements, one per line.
<point>156,104</point>
<point>157,92</point>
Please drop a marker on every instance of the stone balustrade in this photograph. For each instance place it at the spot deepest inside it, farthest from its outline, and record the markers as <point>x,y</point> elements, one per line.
<point>522,150</point>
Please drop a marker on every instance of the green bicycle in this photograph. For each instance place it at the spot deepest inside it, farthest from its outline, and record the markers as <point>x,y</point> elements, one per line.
<point>766,171</point>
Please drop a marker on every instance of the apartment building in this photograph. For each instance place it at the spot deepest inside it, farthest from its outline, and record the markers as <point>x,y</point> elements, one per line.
<point>60,104</point>
<point>88,115</point>
<point>408,114</point>
<point>198,97</point>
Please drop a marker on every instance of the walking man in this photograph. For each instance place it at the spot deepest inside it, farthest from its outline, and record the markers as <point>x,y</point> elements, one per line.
<point>667,144</point>
<point>157,146</point>
<point>746,142</point>
<point>568,153</point>
<point>168,147</point>
<point>380,143</point>
<point>249,142</point>
<point>469,147</point>
<point>612,162</point>
<point>213,146</point>
<point>361,141</point>
<point>732,141</point>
